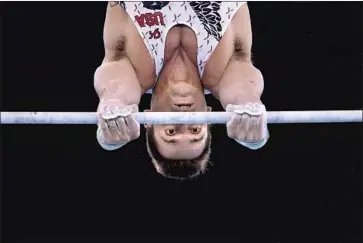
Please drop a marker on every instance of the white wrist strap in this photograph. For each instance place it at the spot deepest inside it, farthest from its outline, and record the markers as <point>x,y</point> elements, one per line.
<point>108,147</point>
<point>255,145</point>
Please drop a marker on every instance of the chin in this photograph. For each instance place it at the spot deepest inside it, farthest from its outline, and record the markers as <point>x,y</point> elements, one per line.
<point>183,89</point>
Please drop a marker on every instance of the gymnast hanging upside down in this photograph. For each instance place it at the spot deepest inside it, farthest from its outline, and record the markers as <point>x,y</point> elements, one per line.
<point>178,51</point>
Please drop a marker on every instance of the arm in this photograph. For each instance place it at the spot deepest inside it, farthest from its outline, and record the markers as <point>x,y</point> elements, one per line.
<point>115,81</point>
<point>241,81</point>
<point>116,78</point>
<point>241,86</point>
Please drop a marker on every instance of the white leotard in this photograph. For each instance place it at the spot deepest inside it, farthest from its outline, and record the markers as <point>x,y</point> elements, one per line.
<point>208,20</point>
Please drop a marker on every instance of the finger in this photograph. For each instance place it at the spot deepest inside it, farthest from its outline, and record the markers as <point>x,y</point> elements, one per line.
<point>124,134</point>
<point>107,113</point>
<point>133,126</point>
<point>254,132</point>
<point>105,131</point>
<point>244,127</point>
<point>229,108</point>
<point>111,123</point>
<point>133,108</point>
<point>115,111</point>
<point>254,109</point>
<point>262,126</point>
<point>251,128</point>
<point>114,129</point>
<point>235,108</point>
<point>248,107</point>
<point>232,125</point>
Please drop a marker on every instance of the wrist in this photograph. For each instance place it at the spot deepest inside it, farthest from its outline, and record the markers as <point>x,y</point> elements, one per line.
<point>242,99</point>
<point>114,100</point>
<point>245,98</point>
<point>120,98</point>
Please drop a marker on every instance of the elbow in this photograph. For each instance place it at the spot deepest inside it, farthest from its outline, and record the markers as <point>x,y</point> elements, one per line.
<point>253,80</point>
<point>97,84</point>
<point>101,77</point>
<point>258,81</point>
<point>244,83</point>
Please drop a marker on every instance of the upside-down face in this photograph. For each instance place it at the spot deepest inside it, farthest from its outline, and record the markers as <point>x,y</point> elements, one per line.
<point>179,151</point>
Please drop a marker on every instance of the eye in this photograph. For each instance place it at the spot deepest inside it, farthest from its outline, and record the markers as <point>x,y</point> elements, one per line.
<point>170,132</point>
<point>195,130</point>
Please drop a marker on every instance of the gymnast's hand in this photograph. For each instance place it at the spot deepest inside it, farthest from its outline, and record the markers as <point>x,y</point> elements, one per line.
<point>248,125</point>
<point>116,124</point>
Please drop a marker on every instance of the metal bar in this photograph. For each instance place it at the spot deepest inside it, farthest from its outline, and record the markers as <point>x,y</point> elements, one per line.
<point>181,117</point>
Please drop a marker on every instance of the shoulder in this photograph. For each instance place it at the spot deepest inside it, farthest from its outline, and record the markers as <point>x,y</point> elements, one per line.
<point>116,9</point>
<point>241,30</point>
<point>241,16</point>
<point>117,4</point>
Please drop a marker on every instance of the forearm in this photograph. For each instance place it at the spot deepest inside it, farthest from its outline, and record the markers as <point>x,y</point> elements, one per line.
<point>241,83</point>
<point>117,80</point>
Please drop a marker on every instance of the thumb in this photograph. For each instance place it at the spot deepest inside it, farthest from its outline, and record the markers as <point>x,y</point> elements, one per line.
<point>230,108</point>
<point>133,108</point>
<point>235,108</point>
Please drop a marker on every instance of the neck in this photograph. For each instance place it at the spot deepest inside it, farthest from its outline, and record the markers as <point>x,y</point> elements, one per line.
<point>178,82</point>
<point>177,70</point>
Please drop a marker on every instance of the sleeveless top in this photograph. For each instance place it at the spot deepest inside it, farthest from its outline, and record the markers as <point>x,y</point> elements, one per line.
<point>208,20</point>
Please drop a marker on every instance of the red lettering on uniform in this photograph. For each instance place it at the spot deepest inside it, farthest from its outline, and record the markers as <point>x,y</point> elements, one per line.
<point>140,20</point>
<point>150,19</point>
<point>161,19</point>
<point>155,34</point>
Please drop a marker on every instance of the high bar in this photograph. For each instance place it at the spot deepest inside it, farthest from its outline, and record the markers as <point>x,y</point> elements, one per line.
<point>328,116</point>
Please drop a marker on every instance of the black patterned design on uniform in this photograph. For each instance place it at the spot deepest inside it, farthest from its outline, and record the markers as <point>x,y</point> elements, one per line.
<point>155,5</point>
<point>208,14</point>
<point>122,4</point>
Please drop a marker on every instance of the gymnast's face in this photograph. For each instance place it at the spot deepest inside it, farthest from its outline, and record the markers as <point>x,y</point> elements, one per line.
<point>179,151</point>
<point>180,142</point>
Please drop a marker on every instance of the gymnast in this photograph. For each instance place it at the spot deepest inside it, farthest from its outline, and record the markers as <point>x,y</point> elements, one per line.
<point>178,52</point>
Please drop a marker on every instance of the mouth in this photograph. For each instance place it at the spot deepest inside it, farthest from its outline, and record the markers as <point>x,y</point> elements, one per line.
<point>183,106</point>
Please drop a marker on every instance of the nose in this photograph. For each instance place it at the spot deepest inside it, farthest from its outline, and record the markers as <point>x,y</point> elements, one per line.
<point>185,130</point>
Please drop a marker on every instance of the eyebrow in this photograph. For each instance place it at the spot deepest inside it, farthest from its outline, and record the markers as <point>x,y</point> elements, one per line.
<point>194,140</point>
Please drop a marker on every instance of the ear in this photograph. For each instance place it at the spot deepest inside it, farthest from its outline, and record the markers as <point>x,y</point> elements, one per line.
<point>147,125</point>
<point>209,109</point>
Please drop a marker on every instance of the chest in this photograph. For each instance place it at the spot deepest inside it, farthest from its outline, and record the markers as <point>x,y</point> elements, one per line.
<point>182,37</point>
<point>217,60</point>
<point>198,28</point>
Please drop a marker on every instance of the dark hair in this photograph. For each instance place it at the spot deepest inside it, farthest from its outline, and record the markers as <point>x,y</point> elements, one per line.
<point>178,169</point>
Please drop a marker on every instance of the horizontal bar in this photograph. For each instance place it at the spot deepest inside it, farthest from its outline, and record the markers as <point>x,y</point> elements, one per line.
<point>181,117</point>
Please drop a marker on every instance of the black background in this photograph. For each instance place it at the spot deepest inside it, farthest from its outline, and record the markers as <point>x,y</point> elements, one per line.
<point>303,186</point>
